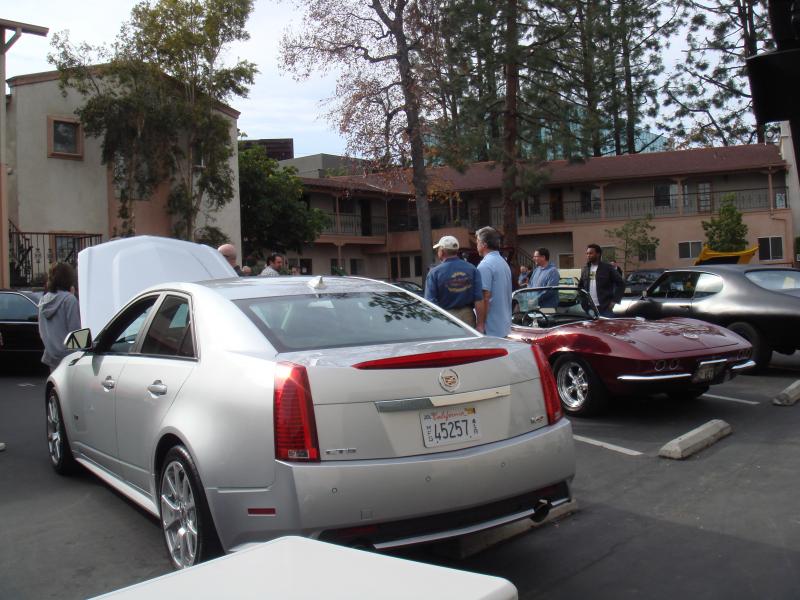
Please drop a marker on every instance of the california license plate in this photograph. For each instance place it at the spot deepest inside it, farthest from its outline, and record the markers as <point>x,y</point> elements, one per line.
<point>705,372</point>
<point>452,425</point>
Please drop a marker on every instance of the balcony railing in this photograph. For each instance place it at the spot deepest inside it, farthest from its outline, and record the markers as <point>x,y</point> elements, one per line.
<point>748,200</point>
<point>354,224</point>
<point>32,253</point>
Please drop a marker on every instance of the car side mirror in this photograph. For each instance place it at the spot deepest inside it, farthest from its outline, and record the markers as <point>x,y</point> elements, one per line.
<point>79,340</point>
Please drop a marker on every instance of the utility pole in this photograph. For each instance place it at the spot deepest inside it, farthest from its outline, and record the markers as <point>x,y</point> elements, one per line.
<point>5,45</point>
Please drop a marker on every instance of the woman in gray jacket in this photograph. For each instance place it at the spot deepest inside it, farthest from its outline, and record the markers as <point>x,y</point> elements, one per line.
<point>58,313</point>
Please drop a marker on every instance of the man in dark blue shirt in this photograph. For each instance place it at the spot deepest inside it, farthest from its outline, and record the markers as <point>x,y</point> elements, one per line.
<point>455,285</point>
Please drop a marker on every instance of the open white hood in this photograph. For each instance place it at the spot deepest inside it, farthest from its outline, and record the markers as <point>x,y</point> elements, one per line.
<point>110,274</point>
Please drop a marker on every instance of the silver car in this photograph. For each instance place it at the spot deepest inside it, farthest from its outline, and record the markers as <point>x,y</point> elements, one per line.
<point>343,409</point>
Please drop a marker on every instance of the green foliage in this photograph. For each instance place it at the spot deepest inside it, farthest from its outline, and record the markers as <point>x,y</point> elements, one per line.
<point>726,232</point>
<point>211,236</point>
<point>633,239</point>
<point>708,97</point>
<point>155,97</point>
<point>274,215</point>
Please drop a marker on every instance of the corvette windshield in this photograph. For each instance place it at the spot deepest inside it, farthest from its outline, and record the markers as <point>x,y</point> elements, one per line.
<point>546,307</point>
<point>778,279</point>
<point>312,322</point>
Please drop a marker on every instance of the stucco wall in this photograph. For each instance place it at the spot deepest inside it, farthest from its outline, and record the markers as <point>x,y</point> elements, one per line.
<point>53,194</point>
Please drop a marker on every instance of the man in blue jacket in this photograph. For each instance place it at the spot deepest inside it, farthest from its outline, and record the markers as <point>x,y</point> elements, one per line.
<point>544,275</point>
<point>455,285</point>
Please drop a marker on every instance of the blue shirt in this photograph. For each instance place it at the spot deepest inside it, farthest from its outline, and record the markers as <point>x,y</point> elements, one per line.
<point>545,277</point>
<point>496,279</point>
<point>453,284</point>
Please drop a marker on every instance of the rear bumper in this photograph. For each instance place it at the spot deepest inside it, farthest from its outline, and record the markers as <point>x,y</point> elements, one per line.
<point>399,500</point>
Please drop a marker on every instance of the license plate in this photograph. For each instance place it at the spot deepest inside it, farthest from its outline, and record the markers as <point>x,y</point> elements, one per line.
<point>705,373</point>
<point>453,425</point>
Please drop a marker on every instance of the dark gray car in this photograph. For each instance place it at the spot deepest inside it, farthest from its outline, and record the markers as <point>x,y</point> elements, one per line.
<point>760,303</point>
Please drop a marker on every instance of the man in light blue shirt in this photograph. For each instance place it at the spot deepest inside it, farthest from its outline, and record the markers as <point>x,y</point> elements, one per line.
<point>545,275</point>
<point>494,314</point>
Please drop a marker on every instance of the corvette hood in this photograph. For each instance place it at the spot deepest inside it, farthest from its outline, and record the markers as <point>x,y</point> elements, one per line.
<point>666,335</point>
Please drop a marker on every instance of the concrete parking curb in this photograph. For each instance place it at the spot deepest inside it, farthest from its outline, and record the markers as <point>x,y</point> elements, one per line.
<point>789,396</point>
<point>474,543</point>
<point>694,441</point>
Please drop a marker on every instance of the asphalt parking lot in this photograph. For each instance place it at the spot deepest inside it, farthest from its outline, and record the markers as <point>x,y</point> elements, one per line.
<point>723,523</point>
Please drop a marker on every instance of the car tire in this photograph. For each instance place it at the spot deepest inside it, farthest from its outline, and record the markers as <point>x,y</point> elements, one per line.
<point>582,394</point>
<point>762,352</point>
<point>61,458</point>
<point>189,533</point>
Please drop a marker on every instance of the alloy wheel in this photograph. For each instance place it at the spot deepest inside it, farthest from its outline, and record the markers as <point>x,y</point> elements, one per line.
<point>54,440</point>
<point>179,515</point>
<point>573,385</point>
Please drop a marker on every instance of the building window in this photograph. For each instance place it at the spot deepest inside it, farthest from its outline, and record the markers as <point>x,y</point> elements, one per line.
<point>590,200</point>
<point>609,253</point>
<point>395,268</point>
<point>405,266</point>
<point>64,138</point>
<point>665,194</point>
<point>689,249</point>
<point>357,266</point>
<point>703,197</point>
<point>647,254</point>
<point>336,268</point>
<point>303,265</point>
<point>780,199</point>
<point>770,248</point>
<point>418,265</point>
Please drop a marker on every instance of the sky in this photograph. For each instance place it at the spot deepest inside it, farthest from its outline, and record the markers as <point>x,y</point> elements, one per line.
<point>276,107</point>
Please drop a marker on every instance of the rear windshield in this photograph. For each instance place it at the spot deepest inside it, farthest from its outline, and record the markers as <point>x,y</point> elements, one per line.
<point>312,322</point>
<point>778,279</point>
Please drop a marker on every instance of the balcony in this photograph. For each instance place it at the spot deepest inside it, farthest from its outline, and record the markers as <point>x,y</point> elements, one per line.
<point>31,254</point>
<point>748,200</point>
<point>354,225</point>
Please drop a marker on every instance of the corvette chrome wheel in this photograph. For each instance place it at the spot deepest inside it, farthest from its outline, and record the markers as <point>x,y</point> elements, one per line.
<point>572,385</point>
<point>179,515</point>
<point>580,391</point>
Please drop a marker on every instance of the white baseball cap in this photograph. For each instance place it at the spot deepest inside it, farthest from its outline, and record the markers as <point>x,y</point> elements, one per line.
<point>448,242</point>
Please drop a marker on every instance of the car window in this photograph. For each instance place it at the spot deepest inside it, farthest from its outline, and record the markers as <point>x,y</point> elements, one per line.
<point>680,284</point>
<point>120,336</point>
<point>777,279</point>
<point>170,333</point>
<point>707,285</point>
<point>311,322</point>
<point>15,307</point>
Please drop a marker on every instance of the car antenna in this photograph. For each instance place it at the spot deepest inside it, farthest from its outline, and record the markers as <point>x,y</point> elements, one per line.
<point>317,283</point>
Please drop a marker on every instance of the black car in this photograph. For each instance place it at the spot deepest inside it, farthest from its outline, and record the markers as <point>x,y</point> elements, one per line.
<point>760,303</point>
<point>20,344</point>
<point>638,281</point>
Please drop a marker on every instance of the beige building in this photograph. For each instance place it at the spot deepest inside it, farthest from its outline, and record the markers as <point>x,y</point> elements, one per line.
<point>374,229</point>
<point>61,198</point>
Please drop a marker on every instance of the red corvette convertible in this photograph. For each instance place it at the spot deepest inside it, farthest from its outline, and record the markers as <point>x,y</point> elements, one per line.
<point>594,358</point>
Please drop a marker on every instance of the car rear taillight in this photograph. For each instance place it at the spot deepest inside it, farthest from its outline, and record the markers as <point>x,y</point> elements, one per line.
<point>552,402</point>
<point>295,427</point>
<point>447,358</point>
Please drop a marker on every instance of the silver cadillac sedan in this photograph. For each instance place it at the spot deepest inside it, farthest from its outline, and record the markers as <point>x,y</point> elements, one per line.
<point>343,409</point>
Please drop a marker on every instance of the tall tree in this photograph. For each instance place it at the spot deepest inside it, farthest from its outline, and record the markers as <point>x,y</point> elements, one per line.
<point>274,215</point>
<point>355,35</point>
<point>709,94</point>
<point>162,85</point>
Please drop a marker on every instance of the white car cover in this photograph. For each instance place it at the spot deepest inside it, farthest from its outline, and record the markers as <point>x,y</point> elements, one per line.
<point>110,274</point>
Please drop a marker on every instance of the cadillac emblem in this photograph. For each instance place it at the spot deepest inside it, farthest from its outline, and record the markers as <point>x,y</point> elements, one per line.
<point>448,379</point>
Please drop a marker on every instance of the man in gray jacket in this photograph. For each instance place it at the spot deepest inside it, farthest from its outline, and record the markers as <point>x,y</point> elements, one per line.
<point>58,313</point>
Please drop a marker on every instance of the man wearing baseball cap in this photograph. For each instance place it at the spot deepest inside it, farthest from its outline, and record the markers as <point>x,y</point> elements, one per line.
<point>455,285</point>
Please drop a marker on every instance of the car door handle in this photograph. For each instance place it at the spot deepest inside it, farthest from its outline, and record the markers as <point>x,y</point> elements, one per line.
<point>157,388</point>
<point>684,306</point>
<point>109,383</point>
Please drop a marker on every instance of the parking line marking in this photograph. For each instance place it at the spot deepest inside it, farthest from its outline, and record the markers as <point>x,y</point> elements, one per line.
<point>607,446</point>
<point>729,399</point>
